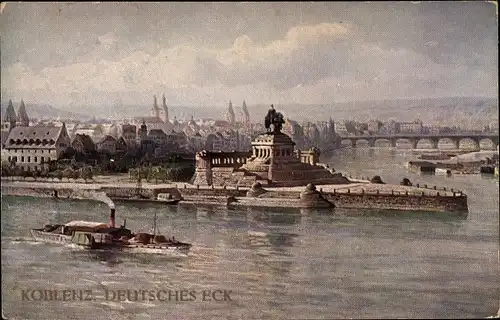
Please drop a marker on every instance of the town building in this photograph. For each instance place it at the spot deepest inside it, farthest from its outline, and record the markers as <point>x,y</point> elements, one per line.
<point>159,118</point>
<point>107,144</point>
<point>411,127</point>
<point>295,131</point>
<point>311,134</point>
<point>191,127</point>
<point>196,142</point>
<point>83,144</point>
<point>393,127</point>
<point>374,126</point>
<point>341,128</point>
<point>129,132</point>
<point>30,148</point>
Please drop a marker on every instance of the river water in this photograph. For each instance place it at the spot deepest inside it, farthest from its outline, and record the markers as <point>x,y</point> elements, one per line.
<point>273,264</point>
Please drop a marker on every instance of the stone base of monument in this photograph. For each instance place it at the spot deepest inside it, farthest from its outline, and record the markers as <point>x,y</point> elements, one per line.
<point>313,197</point>
<point>257,196</point>
<point>256,190</point>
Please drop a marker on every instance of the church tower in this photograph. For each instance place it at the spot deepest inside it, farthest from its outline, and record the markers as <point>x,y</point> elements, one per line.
<point>156,110</point>
<point>246,115</point>
<point>143,132</point>
<point>22,116</point>
<point>230,114</point>
<point>10,116</point>
<point>164,110</point>
<point>331,128</point>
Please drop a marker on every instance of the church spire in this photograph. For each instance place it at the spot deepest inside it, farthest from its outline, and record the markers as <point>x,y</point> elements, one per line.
<point>155,103</point>
<point>164,112</point>
<point>10,114</point>
<point>230,114</point>
<point>155,112</point>
<point>22,115</point>
<point>245,112</point>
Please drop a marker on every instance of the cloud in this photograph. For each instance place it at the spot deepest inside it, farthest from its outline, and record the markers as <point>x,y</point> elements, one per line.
<point>320,63</point>
<point>107,41</point>
<point>244,63</point>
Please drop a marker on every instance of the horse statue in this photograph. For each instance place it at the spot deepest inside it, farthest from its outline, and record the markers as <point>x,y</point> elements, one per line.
<point>275,119</point>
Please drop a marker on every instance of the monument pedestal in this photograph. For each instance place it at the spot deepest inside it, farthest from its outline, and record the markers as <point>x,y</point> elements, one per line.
<point>274,158</point>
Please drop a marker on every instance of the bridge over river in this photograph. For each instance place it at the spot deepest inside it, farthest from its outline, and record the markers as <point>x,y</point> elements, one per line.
<point>432,139</point>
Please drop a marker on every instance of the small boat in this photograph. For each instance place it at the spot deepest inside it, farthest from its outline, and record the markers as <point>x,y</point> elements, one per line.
<point>167,198</point>
<point>101,236</point>
<point>443,172</point>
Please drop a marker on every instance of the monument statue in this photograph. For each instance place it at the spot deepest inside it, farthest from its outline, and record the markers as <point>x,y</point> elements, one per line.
<point>275,119</point>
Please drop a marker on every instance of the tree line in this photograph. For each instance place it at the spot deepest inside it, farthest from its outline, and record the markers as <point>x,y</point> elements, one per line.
<point>170,172</point>
<point>86,173</point>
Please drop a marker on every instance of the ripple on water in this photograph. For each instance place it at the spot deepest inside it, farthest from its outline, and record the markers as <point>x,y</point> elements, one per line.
<point>277,265</point>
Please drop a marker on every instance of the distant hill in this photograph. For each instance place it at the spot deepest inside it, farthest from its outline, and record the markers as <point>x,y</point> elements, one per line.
<point>433,110</point>
<point>44,111</point>
<point>462,111</point>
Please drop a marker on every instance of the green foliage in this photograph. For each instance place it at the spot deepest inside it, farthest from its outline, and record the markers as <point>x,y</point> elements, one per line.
<point>133,174</point>
<point>67,173</point>
<point>27,174</point>
<point>7,169</point>
<point>75,174</point>
<point>59,174</point>
<point>161,174</point>
<point>36,174</point>
<point>86,173</point>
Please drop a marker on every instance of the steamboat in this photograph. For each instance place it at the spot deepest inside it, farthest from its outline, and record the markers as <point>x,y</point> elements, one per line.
<point>105,236</point>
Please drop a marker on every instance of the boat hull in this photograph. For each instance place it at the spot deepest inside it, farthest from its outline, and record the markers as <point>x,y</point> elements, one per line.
<point>55,238</point>
<point>147,249</point>
<point>50,237</point>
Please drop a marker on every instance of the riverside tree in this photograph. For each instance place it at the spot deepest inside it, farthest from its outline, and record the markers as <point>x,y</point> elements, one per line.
<point>86,174</point>
<point>67,173</point>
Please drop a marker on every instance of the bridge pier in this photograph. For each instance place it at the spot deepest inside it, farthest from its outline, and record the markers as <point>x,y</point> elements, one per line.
<point>434,143</point>
<point>353,143</point>
<point>477,144</point>
<point>413,143</point>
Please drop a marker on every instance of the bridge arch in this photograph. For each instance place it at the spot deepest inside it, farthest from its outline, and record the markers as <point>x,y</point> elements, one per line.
<point>487,144</point>
<point>427,143</point>
<point>383,142</point>
<point>405,141</point>
<point>363,143</point>
<point>448,143</point>
<point>469,143</point>
<point>347,143</point>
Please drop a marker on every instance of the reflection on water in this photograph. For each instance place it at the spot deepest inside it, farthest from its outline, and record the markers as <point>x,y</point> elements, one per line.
<point>279,264</point>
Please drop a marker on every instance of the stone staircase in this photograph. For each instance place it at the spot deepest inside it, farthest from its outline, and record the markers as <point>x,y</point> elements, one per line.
<point>236,177</point>
<point>247,179</point>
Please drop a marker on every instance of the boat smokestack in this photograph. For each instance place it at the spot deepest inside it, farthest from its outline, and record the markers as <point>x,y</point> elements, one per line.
<point>112,217</point>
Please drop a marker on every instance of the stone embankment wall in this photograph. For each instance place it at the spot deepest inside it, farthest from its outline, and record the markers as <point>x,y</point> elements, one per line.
<point>221,195</point>
<point>411,202</point>
<point>400,202</point>
<point>71,193</point>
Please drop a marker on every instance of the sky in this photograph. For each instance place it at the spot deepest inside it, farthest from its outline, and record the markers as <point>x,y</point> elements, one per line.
<point>205,54</point>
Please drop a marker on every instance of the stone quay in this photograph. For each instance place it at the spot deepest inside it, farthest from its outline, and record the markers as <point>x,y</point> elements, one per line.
<point>272,174</point>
